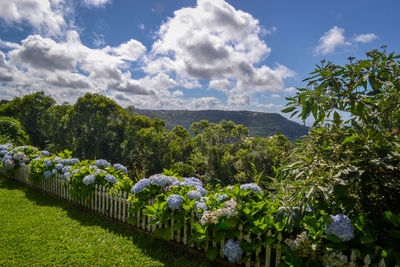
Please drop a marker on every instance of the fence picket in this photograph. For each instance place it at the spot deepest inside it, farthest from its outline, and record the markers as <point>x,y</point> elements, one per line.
<point>278,250</point>
<point>367,260</point>
<point>124,198</point>
<point>268,252</point>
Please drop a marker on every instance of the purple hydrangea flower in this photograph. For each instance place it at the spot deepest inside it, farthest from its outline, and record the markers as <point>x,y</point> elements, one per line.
<point>233,251</point>
<point>162,180</point>
<point>118,166</point>
<point>89,179</point>
<point>192,194</point>
<point>175,201</point>
<point>139,186</point>
<point>110,178</point>
<point>340,226</point>
<point>251,186</point>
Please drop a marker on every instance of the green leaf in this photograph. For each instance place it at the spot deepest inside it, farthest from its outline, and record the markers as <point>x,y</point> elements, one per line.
<point>333,238</point>
<point>212,253</point>
<point>350,139</point>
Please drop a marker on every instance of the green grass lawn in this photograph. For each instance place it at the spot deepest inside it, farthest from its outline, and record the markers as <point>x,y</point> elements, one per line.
<point>36,229</point>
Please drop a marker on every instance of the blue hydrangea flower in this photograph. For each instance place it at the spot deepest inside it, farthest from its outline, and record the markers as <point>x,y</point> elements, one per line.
<point>92,167</point>
<point>340,226</point>
<point>3,152</point>
<point>202,191</point>
<point>5,146</point>
<point>232,251</point>
<point>162,180</point>
<point>71,161</point>
<point>57,160</point>
<point>54,171</point>
<point>67,175</point>
<point>59,166</point>
<point>47,174</point>
<point>8,156</point>
<point>175,201</point>
<point>200,208</point>
<point>75,171</point>
<point>45,153</point>
<point>118,166</point>
<point>139,186</point>
<point>66,169</point>
<point>89,179</point>
<point>221,198</point>
<point>192,194</point>
<point>110,178</point>
<point>48,162</point>
<point>191,181</point>
<point>251,186</point>
<point>8,163</point>
<point>102,163</point>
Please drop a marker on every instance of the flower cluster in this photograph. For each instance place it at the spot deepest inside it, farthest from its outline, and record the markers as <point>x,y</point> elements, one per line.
<point>72,161</point>
<point>253,187</point>
<point>301,244</point>
<point>340,226</point>
<point>162,180</point>
<point>221,198</point>
<point>193,182</point>
<point>48,163</point>
<point>232,251</point>
<point>193,194</point>
<point>227,211</point>
<point>175,201</point>
<point>102,163</point>
<point>47,174</point>
<point>89,179</point>
<point>45,153</point>
<point>333,258</point>
<point>118,166</point>
<point>139,186</point>
<point>110,178</point>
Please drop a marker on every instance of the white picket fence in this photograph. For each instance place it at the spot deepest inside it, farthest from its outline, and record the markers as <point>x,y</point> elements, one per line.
<point>115,204</point>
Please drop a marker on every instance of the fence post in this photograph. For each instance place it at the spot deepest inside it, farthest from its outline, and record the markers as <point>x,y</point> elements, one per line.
<point>278,250</point>
<point>367,260</point>
<point>268,252</point>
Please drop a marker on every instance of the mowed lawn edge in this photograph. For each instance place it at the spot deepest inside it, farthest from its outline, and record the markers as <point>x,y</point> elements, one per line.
<point>37,229</point>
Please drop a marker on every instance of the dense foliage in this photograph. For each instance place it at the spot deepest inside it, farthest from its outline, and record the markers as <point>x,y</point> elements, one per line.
<point>11,131</point>
<point>96,127</point>
<point>350,161</point>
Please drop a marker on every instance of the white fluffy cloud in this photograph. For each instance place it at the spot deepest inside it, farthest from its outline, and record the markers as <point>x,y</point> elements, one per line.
<point>209,46</point>
<point>331,40</point>
<point>214,41</point>
<point>46,16</point>
<point>365,38</point>
<point>69,66</point>
<point>96,3</point>
<point>334,39</point>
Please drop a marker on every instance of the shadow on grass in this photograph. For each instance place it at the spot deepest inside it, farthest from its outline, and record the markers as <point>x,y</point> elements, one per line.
<point>158,249</point>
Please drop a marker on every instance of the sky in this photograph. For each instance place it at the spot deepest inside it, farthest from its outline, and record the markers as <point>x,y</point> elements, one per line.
<point>184,54</point>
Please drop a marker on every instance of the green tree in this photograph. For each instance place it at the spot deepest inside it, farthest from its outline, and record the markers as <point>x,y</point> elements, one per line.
<point>215,145</point>
<point>53,121</point>
<point>11,130</point>
<point>28,110</point>
<point>95,126</point>
<point>353,158</point>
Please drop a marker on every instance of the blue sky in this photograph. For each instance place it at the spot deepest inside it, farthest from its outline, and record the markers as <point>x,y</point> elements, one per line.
<point>183,54</point>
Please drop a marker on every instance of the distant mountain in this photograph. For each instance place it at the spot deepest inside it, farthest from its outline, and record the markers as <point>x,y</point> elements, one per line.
<point>259,123</point>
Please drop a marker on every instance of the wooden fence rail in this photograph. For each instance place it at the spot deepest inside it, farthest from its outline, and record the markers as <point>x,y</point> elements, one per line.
<point>115,204</point>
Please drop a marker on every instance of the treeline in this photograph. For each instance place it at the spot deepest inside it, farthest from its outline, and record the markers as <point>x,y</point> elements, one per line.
<point>97,127</point>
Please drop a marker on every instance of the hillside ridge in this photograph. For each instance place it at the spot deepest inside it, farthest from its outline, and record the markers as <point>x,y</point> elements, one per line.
<point>259,123</point>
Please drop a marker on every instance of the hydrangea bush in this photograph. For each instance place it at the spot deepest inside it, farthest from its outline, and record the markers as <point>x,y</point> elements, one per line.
<point>216,214</point>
